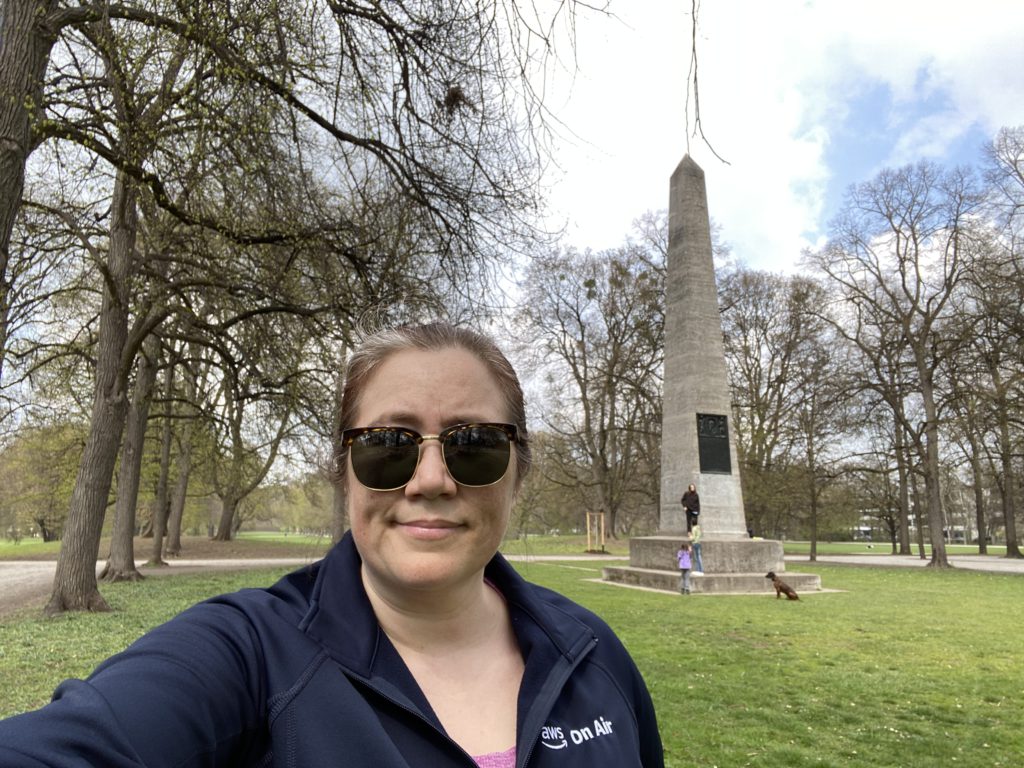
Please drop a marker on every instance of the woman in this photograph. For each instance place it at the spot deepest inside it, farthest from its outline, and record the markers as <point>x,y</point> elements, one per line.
<point>691,504</point>
<point>412,643</point>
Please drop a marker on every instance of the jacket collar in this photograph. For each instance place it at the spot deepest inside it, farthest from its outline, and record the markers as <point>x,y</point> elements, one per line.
<point>341,619</point>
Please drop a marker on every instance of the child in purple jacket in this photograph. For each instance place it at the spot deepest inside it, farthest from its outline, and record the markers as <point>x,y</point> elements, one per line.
<point>683,556</point>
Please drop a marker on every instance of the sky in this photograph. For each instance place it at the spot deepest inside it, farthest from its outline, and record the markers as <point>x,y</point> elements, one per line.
<point>802,99</point>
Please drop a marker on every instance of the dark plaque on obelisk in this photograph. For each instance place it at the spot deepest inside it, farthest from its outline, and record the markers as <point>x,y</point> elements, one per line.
<point>713,443</point>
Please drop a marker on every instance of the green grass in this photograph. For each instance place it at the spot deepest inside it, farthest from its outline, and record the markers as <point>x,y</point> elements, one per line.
<point>904,667</point>
<point>27,548</point>
<point>277,537</point>
<point>301,544</point>
<point>881,548</point>
<point>36,653</point>
<point>561,545</point>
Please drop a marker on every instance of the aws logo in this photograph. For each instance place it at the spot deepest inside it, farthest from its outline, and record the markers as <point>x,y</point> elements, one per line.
<point>553,737</point>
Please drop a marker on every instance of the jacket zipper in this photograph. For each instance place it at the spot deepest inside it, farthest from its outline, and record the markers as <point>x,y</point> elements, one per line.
<point>419,716</point>
<point>548,695</point>
<point>552,688</point>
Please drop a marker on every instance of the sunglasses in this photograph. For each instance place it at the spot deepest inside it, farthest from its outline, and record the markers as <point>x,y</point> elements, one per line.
<point>385,458</point>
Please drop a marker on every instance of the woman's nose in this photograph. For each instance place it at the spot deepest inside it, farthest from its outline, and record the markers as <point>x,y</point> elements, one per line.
<point>431,478</point>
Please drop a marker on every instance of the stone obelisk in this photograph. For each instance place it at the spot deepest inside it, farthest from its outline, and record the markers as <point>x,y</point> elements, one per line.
<point>698,443</point>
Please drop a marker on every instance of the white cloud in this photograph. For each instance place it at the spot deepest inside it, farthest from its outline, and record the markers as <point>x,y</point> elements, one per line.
<point>778,85</point>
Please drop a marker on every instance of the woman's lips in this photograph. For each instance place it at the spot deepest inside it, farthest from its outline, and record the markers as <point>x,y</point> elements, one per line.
<point>430,530</point>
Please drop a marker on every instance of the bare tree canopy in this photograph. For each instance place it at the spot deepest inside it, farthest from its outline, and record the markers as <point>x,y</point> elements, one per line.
<point>215,163</point>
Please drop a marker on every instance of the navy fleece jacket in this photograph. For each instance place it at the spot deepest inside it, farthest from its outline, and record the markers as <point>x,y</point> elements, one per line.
<point>300,674</point>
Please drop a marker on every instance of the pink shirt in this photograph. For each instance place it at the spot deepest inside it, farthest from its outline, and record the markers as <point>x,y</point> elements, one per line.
<point>506,759</point>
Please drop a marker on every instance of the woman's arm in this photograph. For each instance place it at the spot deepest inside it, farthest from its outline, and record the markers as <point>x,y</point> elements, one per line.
<point>187,693</point>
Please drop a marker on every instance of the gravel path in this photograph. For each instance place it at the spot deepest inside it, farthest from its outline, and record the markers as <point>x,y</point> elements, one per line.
<point>27,583</point>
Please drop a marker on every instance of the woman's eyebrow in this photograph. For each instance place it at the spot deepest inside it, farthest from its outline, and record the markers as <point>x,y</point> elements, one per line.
<point>396,418</point>
<point>410,420</point>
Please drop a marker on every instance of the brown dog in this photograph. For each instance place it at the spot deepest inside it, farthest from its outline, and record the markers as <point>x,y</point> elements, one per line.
<point>781,587</point>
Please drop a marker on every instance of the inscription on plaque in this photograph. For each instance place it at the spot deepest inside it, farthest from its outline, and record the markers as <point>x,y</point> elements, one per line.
<point>713,443</point>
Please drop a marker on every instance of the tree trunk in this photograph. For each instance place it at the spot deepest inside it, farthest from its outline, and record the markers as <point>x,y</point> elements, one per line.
<point>814,505</point>
<point>25,44</point>
<point>74,584</point>
<point>932,471</point>
<point>339,514</point>
<point>339,508</point>
<point>226,526</point>
<point>239,483</point>
<point>936,526</point>
<point>179,495</point>
<point>601,478</point>
<point>121,565</point>
<point>977,476</point>
<point>917,516</point>
<point>899,447</point>
<point>1009,488</point>
<point>161,503</point>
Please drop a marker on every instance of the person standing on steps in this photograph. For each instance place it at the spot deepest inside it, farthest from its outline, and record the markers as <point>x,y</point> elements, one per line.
<point>698,562</point>
<point>691,504</point>
<point>683,558</point>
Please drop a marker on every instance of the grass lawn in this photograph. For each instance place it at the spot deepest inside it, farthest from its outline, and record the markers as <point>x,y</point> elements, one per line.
<point>904,667</point>
<point>284,539</point>
<point>28,549</point>
<point>881,548</point>
<point>574,544</point>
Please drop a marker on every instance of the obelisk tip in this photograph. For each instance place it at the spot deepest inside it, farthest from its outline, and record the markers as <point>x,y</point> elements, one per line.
<point>689,166</point>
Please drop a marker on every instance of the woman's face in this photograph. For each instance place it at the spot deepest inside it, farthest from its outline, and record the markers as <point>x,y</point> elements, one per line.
<point>433,533</point>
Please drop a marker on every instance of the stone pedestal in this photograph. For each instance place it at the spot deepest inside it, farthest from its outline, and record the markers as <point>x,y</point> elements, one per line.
<point>731,566</point>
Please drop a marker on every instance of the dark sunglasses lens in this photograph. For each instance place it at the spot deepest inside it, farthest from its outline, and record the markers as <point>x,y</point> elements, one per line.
<point>384,459</point>
<point>477,455</point>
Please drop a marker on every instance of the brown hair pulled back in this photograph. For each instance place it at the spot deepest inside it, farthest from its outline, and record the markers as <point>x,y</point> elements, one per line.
<point>381,345</point>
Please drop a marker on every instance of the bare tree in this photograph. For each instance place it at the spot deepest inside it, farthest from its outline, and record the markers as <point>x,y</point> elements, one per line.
<point>999,292</point>
<point>437,98</point>
<point>427,101</point>
<point>596,322</point>
<point>772,345</point>
<point>823,413</point>
<point>898,252</point>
